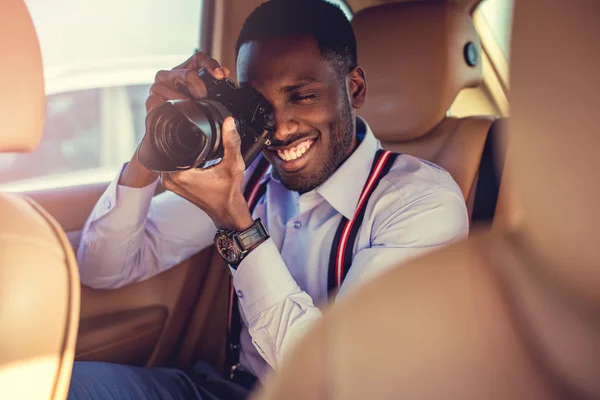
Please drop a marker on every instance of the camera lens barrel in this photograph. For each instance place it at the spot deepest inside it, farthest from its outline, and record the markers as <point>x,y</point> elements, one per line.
<point>182,134</point>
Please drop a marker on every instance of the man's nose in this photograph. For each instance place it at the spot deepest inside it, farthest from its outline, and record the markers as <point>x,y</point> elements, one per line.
<point>285,125</point>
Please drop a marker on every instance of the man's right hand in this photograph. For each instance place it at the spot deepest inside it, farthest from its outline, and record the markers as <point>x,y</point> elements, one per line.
<point>179,83</point>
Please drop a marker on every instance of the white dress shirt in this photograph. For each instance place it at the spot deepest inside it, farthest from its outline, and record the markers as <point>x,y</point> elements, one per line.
<point>131,236</point>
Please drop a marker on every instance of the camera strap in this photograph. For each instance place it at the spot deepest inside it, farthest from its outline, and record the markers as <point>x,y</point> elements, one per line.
<point>342,249</point>
<point>253,192</point>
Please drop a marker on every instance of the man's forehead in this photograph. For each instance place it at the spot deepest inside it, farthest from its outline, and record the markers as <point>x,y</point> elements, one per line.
<point>280,59</point>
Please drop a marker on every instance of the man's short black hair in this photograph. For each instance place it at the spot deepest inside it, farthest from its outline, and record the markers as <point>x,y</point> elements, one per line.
<point>325,21</point>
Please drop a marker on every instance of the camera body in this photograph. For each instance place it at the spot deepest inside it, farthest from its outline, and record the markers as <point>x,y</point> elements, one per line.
<point>185,134</point>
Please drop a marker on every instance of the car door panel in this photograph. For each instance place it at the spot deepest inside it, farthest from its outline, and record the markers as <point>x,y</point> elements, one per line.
<point>70,206</point>
<point>126,337</point>
<point>173,318</point>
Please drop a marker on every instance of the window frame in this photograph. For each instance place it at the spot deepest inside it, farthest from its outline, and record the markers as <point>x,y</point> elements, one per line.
<point>495,64</point>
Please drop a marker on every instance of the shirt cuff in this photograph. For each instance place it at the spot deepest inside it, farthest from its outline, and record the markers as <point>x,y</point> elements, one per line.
<point>128,207</point>
<point>262,279</point>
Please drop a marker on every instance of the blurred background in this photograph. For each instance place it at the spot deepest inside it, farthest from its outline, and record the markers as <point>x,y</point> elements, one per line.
<point>100,58</point>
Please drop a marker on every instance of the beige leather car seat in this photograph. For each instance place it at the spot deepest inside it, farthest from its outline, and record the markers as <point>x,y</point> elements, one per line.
<point>508,314</point>
<point>418,56</point>
<point>39,282</point>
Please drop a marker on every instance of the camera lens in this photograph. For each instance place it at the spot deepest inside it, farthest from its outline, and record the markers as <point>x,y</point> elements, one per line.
<point>182,134</point>
<point>183,139</point>
<point>177,139</point>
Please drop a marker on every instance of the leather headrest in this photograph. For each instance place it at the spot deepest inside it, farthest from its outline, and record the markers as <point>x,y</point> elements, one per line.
<point>22,103</point>
<point>414,57</point>
<point>554,138</point>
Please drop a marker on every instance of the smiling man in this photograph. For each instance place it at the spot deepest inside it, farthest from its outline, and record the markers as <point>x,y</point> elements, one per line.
<point>313,99</point>
<point>326,212</point>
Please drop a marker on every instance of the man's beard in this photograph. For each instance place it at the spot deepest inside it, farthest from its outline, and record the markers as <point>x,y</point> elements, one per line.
<point>340,141</point>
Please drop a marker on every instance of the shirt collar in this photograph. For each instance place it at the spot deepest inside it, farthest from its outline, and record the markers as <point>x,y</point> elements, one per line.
<point>343,189</point>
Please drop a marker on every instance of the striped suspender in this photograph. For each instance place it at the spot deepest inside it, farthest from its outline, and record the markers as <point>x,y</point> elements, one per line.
<point>340,258</point>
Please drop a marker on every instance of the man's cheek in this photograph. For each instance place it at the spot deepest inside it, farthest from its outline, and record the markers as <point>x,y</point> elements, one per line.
<point>319,113</point>
<point>321,149</point>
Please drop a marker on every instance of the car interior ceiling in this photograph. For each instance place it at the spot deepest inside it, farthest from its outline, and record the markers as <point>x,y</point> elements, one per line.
<point>180,316</point>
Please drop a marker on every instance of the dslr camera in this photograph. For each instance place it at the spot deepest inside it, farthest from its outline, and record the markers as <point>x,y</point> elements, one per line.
<point>185,134</point>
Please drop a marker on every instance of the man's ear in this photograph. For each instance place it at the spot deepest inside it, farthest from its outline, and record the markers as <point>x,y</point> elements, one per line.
<point>357,86</point>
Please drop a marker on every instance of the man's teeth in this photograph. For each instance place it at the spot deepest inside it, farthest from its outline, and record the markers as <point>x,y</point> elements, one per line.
<point>295,152</point>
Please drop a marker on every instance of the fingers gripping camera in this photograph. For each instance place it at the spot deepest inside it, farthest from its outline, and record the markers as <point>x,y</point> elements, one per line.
<point>185,134</point>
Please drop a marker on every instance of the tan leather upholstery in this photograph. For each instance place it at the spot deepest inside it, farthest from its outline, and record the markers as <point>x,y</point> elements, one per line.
<point>357,5</point>
<point>39,282</point>
<point>554,137</point>
<point>508,314</point>
<point>413,54</point>
<point>40,303</point>
<point>22,104</point>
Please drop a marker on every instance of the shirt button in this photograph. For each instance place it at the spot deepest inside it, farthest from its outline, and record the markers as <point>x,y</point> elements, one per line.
<point>297,224</point>
<point>108,204</point>
<point>89,246</point>
<point>240,294</point>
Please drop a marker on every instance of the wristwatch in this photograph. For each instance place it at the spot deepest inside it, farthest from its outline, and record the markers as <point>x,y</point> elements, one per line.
<point>234,246</point>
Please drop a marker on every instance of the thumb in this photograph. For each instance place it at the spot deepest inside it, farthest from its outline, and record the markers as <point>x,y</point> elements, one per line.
<point>231,139</point>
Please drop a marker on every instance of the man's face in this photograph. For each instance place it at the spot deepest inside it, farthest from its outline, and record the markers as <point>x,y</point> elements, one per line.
<point>312,105</point>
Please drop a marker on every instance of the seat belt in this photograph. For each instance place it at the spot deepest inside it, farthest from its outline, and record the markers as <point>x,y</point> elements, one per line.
<point>489,179</point>
<point>340,259</point>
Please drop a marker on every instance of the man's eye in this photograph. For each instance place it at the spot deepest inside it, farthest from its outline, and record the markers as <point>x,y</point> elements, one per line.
<point>306,97</point>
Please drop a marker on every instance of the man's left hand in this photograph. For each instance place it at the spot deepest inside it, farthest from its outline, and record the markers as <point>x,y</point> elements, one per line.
<point>217,190</point>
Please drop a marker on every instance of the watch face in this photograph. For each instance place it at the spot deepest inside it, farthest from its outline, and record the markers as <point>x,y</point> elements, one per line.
<point>226,248</point>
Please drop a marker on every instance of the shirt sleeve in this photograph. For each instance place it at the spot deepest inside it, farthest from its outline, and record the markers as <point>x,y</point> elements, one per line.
<point>279,312</point>
<point>132,235</point>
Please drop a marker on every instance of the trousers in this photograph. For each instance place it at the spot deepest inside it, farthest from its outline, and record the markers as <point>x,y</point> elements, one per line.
<point>107,381</point>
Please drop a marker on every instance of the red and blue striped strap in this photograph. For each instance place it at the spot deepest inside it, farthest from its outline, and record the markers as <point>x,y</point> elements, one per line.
<point>340,259</point>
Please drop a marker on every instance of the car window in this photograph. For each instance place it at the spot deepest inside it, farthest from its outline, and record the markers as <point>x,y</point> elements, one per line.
<point>100,57</point>
<point>136,96</point>
<point>71,138</point>
<point>498,16</point>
